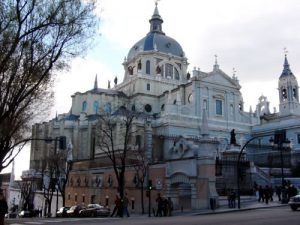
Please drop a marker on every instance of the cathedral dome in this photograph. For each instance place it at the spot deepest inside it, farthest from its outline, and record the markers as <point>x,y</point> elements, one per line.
<point>156,40</point>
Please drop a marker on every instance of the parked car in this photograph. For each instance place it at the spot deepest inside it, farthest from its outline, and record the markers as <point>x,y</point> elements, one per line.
<point>25,213</point>
<point>295,202</point>
<point>94,210</point>
<point>74,210</point>
<point>62,212</point>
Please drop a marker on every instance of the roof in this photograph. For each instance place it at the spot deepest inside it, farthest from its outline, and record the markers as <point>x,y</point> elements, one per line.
<point>156,40</point>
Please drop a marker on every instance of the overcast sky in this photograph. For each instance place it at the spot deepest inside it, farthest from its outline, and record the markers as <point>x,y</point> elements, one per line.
<point>249,36</point>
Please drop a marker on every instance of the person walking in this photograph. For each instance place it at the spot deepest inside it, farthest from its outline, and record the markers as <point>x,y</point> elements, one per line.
<point>260,194</point>
<point>125,205</point>
<point>3,208</point>
<point>117,207</point>
<point>278,192</point>
<point>267,194</point>
<point>170,206</point>
<point>159,202</point>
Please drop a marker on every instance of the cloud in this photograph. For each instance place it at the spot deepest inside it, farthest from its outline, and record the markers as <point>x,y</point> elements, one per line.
<point>79,78</point>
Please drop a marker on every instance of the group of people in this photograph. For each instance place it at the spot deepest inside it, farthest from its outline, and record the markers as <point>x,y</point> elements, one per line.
<point>164,206</point>
<point>121,206</point>
<point>231,196</point>
<point>265,194</point>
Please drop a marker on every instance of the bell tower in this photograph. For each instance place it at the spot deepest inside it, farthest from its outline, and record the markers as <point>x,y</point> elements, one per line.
<point>288,91</point>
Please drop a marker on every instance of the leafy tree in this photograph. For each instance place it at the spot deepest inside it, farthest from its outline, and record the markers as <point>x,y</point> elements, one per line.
<point>38,38</point>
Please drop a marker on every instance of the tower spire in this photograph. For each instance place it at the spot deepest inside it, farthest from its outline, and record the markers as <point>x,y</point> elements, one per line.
<point>156,20</point>
<point>216,66</point>
<point>96,83</point>
<point>286,66</point>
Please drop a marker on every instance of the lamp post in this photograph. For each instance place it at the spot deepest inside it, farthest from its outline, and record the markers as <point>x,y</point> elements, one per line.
<point>238,168</point>
<point>281,141</point>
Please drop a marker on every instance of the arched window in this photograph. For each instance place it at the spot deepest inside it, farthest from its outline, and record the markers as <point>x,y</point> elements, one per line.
<point>219,110</point>
<point>176,74</point>
<point>241,108</point>
<point>190,98</point>
<point>84,106</point>
<point>205,104</point>
<point>95,107</point>
<point>284,94</point>
<point>169,71</point>
<point>147,67</point>
<point>130,70</point>
<point>295,93</point>
<point>107,107</point>
<point>231,110</point>
<point>139,65</point>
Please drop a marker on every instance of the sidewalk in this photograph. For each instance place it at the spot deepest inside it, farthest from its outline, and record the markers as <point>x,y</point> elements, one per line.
<point>246,204</point>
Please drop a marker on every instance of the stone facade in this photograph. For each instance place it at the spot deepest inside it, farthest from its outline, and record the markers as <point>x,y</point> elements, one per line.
<point>188,122</point>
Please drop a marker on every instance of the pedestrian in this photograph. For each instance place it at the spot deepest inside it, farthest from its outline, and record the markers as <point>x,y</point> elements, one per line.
<point>159,202</point>
<point>271,193</point>
<point>232,199</point>
<point>260,194</point>
<point>278,192</point>
<point>3,208</point>
<point>125,205</point>
<point>117,207</point>
<point>165,207</point>
<point>229,198</point>
<point>266,194</point>
<point>170,204</point>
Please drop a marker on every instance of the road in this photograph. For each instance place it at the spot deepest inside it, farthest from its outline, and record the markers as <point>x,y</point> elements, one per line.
<point>267,216</point>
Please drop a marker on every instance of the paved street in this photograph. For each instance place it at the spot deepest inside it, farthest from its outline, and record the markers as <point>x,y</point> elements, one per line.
<point>264,216</point>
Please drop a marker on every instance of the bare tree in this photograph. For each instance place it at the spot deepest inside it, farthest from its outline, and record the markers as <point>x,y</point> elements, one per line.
<point>37,39</point>
<point>62,173</point>
<point>141,166</point>
<point>51,174</point>
<point>113,135</point>
<point>27,194</point>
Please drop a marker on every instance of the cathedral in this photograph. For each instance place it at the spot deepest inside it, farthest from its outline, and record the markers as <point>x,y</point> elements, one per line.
<point>187,124</point>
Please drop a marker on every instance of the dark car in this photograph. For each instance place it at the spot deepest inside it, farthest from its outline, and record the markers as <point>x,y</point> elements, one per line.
<point>26,213</point>
<point>62,212</point>
<point>74,210</point>
<point>295,202</point>
<point>94,210</point>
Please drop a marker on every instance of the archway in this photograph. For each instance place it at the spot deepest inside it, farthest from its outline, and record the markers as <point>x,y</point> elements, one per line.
<point>181,191</point>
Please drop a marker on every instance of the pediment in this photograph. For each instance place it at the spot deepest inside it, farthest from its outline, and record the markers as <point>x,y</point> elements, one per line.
<point>220,78</point>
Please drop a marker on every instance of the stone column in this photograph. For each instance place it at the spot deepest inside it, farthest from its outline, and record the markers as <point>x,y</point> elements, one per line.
<point>148,139</point>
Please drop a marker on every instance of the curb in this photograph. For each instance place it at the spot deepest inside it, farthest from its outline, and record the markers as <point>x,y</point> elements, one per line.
<point>238,210</point>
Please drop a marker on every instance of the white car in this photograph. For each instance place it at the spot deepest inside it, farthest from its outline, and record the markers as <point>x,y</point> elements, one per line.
<point>295,202</point>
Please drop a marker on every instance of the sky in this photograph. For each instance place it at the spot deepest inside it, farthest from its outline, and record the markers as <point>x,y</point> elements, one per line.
<point>247,36</point>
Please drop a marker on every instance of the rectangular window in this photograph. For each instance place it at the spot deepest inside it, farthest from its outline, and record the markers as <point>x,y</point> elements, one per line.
<point>83,198</point>
<point>219,107</point>
<point>93,199</point>
<point>148,87</point>
<point>75,198</point>
<point>298,138</point>
<point>69,197</point>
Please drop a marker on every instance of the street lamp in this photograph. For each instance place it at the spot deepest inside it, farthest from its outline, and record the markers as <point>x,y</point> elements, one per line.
<point>238,168</point>
<point>282,142</point>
